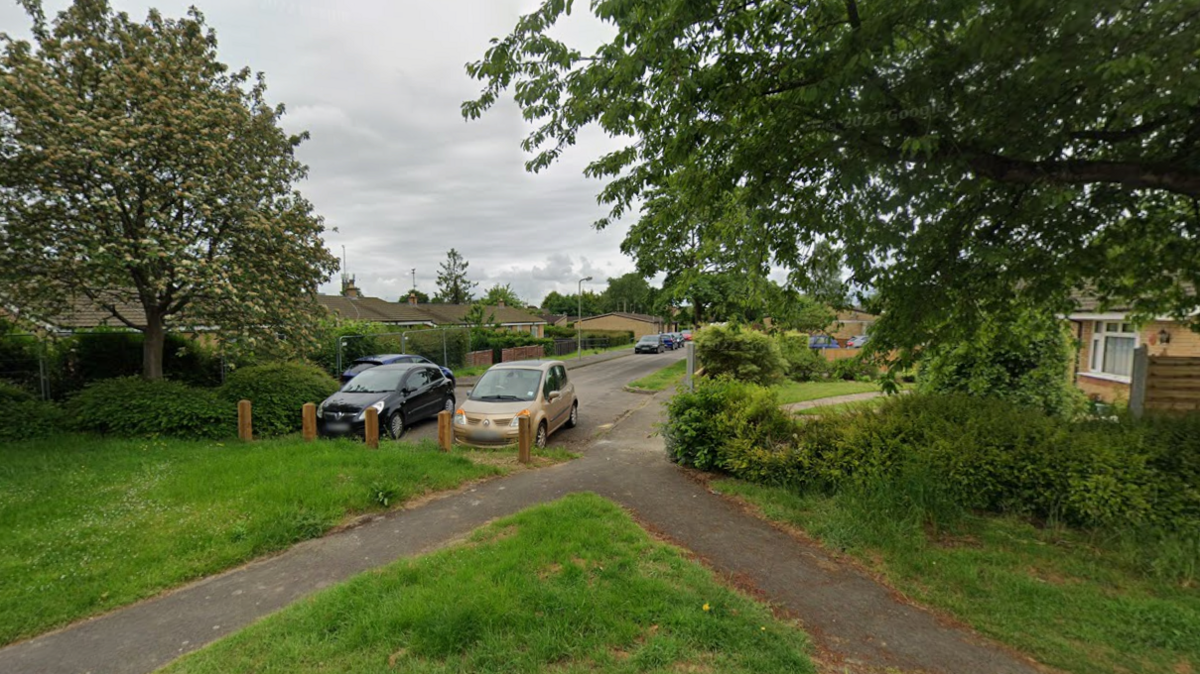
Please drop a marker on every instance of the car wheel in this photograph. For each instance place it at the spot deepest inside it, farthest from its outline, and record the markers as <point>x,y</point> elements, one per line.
<point>448,404</point>
<point>540,440</point>
<point>573,420</point>
<point>395,425</point>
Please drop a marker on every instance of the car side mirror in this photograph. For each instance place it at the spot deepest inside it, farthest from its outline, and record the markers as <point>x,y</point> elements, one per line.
<point>554,395</point>
<point>469,392</point>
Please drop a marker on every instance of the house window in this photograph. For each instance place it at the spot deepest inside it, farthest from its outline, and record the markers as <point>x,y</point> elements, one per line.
<point>1113,343</point>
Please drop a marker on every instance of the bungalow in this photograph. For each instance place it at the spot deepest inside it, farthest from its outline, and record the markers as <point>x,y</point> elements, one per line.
<point>1107,338</point>
<point>506,317</point>
<point>639,324</point>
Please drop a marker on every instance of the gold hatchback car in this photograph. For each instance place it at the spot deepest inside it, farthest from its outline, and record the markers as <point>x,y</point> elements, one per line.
<point>537,389</point>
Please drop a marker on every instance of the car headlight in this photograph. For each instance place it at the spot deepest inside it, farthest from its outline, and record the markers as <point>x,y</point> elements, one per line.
<point>321,410</point>
<point>460,417</point>
<point>378,407</point>
<point>517,419</point>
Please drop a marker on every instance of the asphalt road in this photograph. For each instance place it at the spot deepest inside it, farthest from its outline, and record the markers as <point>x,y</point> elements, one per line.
<point>602,398</point>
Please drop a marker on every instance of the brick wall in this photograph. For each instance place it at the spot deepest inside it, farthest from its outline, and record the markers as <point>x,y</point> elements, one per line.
<point>476,358</point>
<point>638,328</point>
<point>522,353</point>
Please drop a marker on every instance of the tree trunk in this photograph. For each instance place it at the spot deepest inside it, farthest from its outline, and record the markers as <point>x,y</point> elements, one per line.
<point>155,337</point>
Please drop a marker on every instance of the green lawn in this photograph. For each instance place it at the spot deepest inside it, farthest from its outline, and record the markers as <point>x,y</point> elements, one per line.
<point>1076,602</point>
<point>668,376</point>
<point>795,392</point>
<point>574,586</point>
<point>89,524</point>
<point>842,408</point>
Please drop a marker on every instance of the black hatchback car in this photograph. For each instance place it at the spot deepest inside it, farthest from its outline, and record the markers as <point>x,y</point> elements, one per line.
<point>402,394</point>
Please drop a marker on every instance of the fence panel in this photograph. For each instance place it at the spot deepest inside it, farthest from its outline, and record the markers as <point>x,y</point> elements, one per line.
<point>1173,384</point>
<point>477,358</point>
<point>522,353</point>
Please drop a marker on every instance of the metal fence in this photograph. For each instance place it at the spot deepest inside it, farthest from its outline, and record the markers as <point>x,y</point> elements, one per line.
<point>447,347</point>
<point>564,346</point>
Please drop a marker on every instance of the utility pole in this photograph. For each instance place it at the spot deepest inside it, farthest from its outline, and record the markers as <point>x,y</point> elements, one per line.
<point>414,274</point>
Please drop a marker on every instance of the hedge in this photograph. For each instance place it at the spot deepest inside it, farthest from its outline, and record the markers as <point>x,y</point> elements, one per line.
<point>277,392</point>
<point>135,407</point>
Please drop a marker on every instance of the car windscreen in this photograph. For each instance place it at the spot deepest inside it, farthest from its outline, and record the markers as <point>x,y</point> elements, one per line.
<point>507,385</point>
<point>375,381</point>
<point>649,339</point>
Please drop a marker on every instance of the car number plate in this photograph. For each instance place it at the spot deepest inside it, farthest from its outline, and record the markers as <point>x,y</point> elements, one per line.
<point>337,427</point>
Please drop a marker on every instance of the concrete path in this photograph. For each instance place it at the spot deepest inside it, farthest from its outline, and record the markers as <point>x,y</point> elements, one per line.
<point>858,624</point>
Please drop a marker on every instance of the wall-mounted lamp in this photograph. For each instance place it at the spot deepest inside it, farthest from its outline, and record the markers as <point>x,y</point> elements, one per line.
<point>1164,337</point>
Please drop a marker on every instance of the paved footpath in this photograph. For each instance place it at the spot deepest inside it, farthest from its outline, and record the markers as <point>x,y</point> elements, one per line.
<point>858,625</point>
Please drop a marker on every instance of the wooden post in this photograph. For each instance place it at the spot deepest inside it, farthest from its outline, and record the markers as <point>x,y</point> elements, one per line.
<point>445,430</point>
<point>1137,384</point>
<point>309,419</point>
<point>245,425</point>
<point>372,430</point>
<point>524,439</point>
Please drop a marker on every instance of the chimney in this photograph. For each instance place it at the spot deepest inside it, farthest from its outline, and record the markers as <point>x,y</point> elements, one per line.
<point>500,302</point>
<point>349,290</point>
<point>412,299</point>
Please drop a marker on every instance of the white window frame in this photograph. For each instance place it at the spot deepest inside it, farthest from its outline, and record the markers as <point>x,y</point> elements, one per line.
<point>1101,331</point>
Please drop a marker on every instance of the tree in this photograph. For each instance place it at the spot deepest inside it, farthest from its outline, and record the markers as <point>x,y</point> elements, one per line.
<point>502,292</point>
<point>136,169</point>
<point>422,298</point>
<point>480,316</point>
<point>453,285</point>
<point>629,292</point>
<point>956,154</point>
<point>569,305</point>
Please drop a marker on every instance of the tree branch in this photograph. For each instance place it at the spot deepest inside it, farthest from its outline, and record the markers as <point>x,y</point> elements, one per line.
<point>1137,175</point>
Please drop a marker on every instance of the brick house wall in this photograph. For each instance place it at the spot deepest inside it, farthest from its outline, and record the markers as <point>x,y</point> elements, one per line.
<point>1183,342</point>
<point>639,328</point>
<point>851,324</point>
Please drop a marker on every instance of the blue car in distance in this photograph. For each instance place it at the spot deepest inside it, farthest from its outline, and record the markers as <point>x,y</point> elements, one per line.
<point>367,362</point>
<point>822,342</point>
<point>668,341</point>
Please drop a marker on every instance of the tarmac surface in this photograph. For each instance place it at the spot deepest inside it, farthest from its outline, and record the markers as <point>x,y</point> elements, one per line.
<point>857,624</point>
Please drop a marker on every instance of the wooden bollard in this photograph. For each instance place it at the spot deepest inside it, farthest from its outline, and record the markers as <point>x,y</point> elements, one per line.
<point>309,416</point>
<point>445,430</point>
<point>524,439</point>
<point>372,429</point>
<point>245,424</point>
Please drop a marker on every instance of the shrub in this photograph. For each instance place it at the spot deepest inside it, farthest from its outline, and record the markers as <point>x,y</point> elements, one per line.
<point>742,354</point>
<point>800,362</point>
<point>134,407</point>
<point>107,353</point>
<point>710,427</point>
<point>1021,360</point>
<point>277,392</point>
<point>28,417</point>
<point>854,368</point>
<point>498,340</point>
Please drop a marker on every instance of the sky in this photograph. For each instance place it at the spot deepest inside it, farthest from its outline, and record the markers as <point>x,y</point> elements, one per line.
<point>396,172</point>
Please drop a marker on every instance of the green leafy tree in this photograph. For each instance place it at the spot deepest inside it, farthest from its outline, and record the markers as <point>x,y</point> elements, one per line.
<point>570,304</point>
<point>453,285</point>
<point>630,292</point>
<point>135,168</point>
<point>954,154</point>
<point>422,298</point>
<point>480,315</point>
<point>502,292</point>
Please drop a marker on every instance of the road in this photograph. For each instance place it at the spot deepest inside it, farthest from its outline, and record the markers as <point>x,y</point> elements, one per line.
<point>602,398</point>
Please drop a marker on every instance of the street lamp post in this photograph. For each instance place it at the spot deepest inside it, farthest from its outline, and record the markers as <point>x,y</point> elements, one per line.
<point>579,317</point>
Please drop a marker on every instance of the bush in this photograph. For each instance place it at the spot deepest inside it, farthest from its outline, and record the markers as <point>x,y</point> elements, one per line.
<point>134,407</point>
<point>742,354</point>
<point>854,368</point>
<point>1022,360</point>
<point>498,340</point>
<point>951,452</point>
<point>29,417</point>
<point>800,362</point>
<point>107,353</point>
<point>277,392</point>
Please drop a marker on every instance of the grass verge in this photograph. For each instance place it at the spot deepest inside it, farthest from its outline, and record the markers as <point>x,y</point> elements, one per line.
<point>89,524</point>
<point>572,586</point>
<point>1071,600</point>
<point>796,392</point>
<point>668,376</point>
<point>842,408</point>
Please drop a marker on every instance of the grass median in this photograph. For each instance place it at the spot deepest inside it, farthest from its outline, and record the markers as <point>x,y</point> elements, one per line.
<point>572,586</point>
<point>89,524</point>
<point>1074,600</point>
<point>662,379</point>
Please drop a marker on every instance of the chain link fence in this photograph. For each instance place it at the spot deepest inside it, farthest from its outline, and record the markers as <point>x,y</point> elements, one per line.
<point>447,347</point>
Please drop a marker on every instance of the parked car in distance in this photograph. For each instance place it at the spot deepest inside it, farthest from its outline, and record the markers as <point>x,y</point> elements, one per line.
<point>687,335</point>
<point>367,362</point>
<point>822,342</point>
<point>649,344</point>
<point>668,340</point>
<point>402,394</point>
<point>857,341</point>
<point>540,390</point>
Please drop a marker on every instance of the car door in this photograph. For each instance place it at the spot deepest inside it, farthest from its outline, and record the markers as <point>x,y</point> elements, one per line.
<point>416,394</point>
<point>558,409</point>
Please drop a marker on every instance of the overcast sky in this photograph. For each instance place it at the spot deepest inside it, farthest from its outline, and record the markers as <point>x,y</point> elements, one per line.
<point>394,167</point>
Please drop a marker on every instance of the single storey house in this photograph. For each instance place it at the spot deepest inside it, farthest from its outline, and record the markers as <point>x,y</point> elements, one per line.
<point>639,324</point>
<point>1107,338</point>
